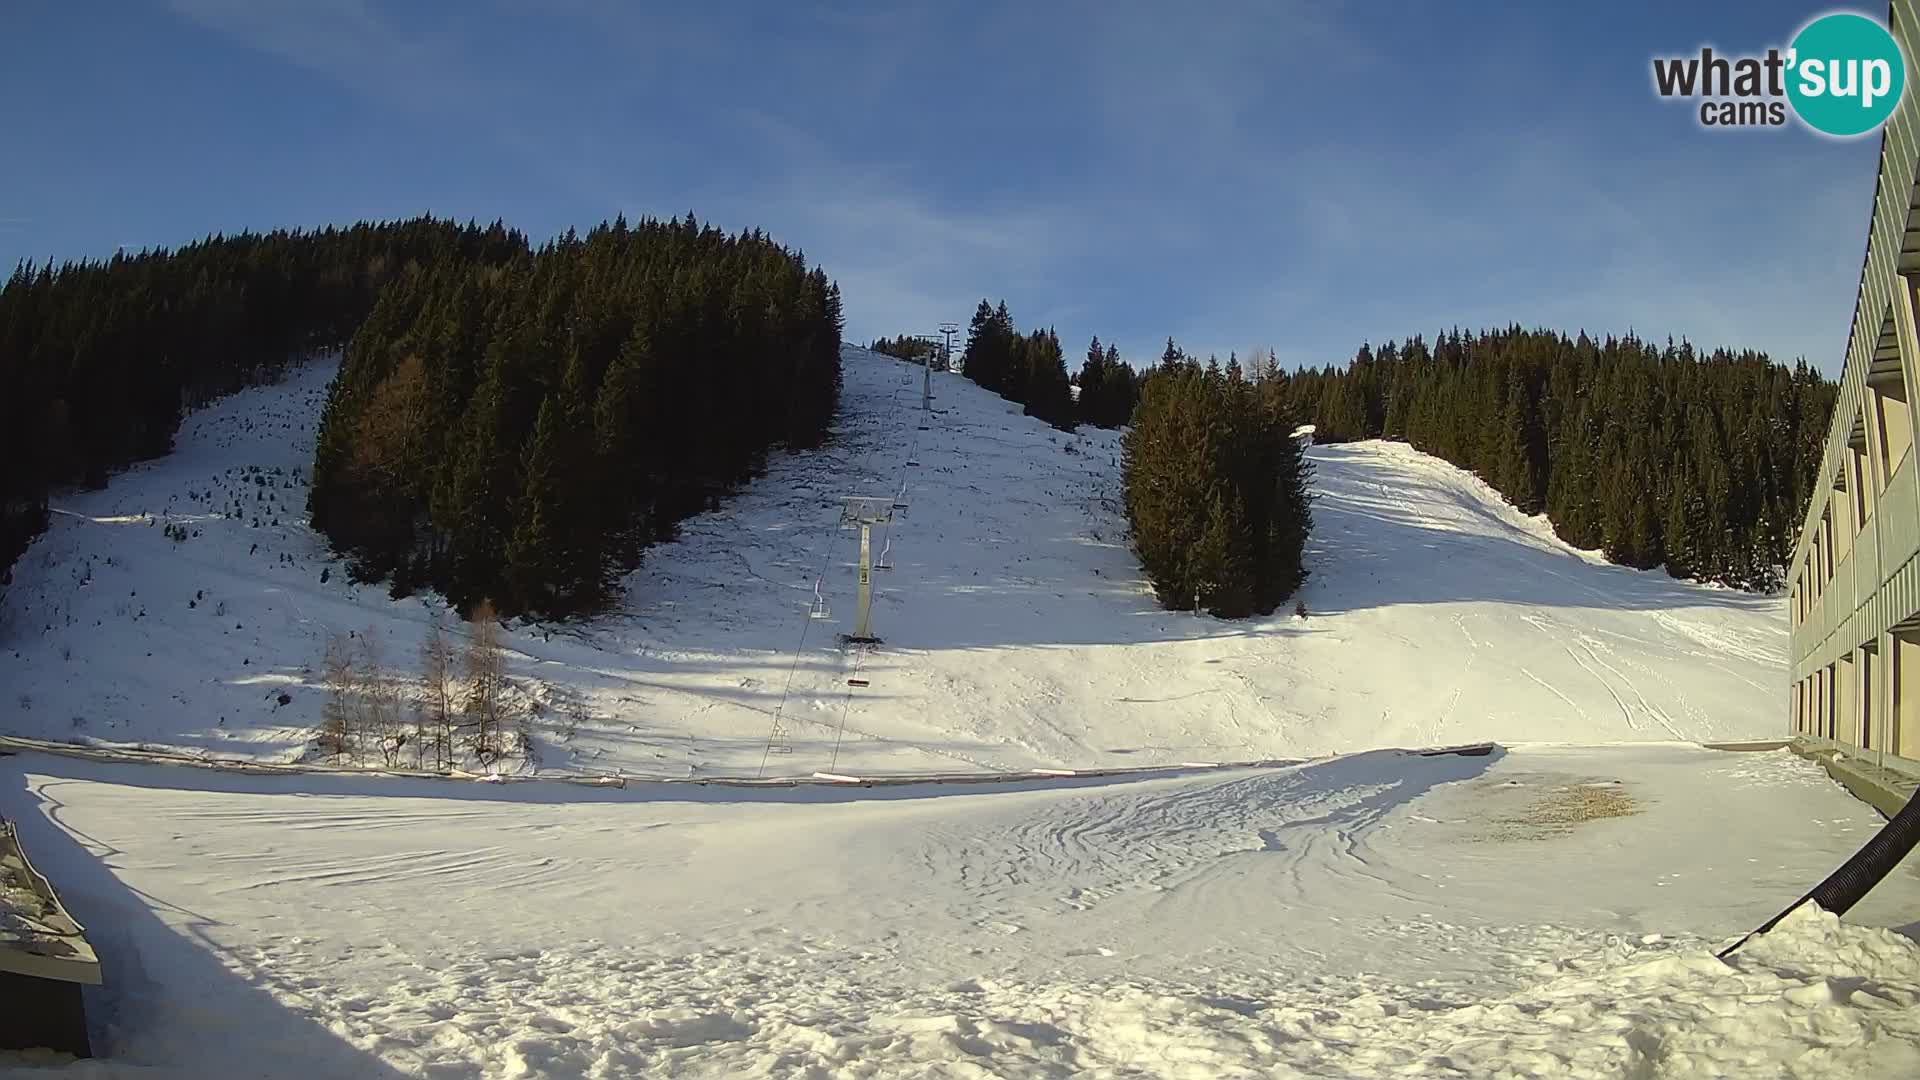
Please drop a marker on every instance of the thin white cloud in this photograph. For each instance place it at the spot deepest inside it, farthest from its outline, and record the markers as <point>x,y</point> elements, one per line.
<point>346,41</point>
<point>1204,210</point>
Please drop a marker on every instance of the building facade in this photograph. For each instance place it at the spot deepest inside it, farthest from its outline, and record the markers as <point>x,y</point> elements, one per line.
<point>1854,583</point>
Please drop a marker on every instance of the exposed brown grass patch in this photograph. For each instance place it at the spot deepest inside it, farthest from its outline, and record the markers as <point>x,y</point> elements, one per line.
<point>1556,810</point>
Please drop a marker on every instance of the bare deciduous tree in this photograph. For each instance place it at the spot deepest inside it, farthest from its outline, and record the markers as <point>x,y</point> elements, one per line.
<point>485,706</point>
<point>436,712</point>
<point>380,695</point>
<point>1262,364</point>
<point>335,739</point>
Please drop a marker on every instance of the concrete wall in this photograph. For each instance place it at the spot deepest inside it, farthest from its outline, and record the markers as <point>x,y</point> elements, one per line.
<point>1854,582</point>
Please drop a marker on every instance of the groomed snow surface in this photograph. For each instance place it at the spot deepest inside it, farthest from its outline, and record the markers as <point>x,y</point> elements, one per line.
<point>1381,914</point>
<point>1548,909</point>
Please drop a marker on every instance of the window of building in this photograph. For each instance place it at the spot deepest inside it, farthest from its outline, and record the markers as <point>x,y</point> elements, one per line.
<point>1823,549</point>
<point>1869,691</point>
<point>1844,518</point>
<point>1895,423</point>
<point>1903,714</point>
<point>1829,697</point>
<point>1860,479</point>
<point>1826,543</point>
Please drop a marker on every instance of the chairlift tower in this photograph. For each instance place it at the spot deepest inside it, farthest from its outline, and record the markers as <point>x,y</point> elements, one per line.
<point>948,330</point>
<point>926,366</point>
<point>866,512</point>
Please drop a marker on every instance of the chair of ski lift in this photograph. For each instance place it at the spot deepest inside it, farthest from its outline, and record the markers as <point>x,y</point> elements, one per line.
<point>884,562</point>
<point>819,609</point>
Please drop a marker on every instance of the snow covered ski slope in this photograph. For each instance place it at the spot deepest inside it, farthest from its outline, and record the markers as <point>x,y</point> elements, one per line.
<point>1542,912</point>
<point>1548,909</point>
<point>1017,630</point>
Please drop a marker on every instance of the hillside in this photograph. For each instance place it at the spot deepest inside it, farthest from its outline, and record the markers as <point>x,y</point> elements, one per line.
<point>1545,909</point>
<point>1017,630</point>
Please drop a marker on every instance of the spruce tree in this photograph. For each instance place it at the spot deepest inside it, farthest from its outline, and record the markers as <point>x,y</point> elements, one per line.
<point>1216,493</point>
<point>1122,390</point>
<point>1220,563</point>
<point>1092,407</point>
<point>1049,395</point>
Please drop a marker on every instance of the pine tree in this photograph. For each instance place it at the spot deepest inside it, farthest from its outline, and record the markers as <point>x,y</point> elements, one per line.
<point>1220,562</point>
<point>1122,391</point>
<point>1092,405</point>
<point>1049,395</point>
<point>474,509</point>
<point>1215,492</point>
<point>553,560</point>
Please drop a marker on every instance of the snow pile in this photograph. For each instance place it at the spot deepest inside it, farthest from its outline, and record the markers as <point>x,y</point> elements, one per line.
<point>1018,632</point>
<point>1814,998</point>
<point>1821,1000</point>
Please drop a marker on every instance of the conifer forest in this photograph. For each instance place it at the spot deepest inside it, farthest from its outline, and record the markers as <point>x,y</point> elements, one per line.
<point>1655,455</point>
<point>508,423</point>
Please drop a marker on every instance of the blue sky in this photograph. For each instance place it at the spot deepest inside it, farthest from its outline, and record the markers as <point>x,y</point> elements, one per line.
<point>1300,175</point>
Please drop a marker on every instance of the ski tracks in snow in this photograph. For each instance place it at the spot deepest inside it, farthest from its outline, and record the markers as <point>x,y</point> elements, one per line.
<point>1301,828</point>
<point>1588,658</point>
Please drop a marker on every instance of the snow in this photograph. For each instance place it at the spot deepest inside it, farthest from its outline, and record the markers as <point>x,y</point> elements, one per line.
<point>1379,914</point>
<point>1549,908</point>
<point>1018,631</point>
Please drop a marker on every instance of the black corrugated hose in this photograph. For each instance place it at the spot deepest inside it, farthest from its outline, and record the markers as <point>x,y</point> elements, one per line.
<point>1874,861</point>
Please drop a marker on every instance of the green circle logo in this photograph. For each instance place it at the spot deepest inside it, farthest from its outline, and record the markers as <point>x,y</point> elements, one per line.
<point>1845,74</point>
